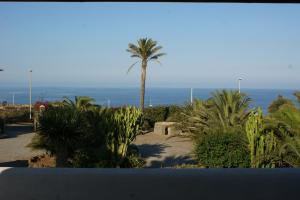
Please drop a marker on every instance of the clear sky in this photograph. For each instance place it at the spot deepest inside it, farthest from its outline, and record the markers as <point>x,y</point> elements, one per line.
<point>208,45</point>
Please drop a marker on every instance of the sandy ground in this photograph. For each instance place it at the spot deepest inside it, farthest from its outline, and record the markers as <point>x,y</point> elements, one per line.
<point>13,150</point>
<point>164,151</point>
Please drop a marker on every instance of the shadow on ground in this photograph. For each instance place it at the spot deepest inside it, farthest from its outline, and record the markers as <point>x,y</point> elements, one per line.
<point>14,130</point>
<point>16,163</point>
<point>151,150</point>
<point>172,161</point>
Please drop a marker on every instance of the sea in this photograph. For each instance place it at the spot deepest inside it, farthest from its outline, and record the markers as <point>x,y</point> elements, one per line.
<point>130,96</point>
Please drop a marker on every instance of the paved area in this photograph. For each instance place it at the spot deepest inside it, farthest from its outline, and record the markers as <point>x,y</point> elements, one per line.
<point>13,150</point>
<point>158,150</point>
<point>164,151</point>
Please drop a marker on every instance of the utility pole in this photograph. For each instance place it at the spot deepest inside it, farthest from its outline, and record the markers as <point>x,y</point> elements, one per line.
<point>191,95</point>
<point>30,85</point>
<point>108,103</point>
<point>13,98</point>
<point>239,83</point>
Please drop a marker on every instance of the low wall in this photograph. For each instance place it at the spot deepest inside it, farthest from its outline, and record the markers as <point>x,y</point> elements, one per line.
<point>154,184</point>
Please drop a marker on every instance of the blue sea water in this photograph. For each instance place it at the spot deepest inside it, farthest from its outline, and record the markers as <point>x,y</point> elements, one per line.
<point>130,96</point>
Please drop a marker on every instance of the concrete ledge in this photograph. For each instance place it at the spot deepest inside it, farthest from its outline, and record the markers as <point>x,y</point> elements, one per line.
<point>206,184</point>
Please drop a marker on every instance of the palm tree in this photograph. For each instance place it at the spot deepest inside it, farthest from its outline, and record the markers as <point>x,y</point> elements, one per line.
<point>230,108</point>
<point>81,102</point>
<point>146,50</point>
<point>59,133</point>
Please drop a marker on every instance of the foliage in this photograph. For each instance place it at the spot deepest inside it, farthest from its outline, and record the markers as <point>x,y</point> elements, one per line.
<point>195,119</point>
<point>80,103</point>
<point>276,104</point>
<point>224,111</point>
<point>262,145</point>
<point>290,151</point>
<point>13,114</point>
<point>155,114</point>
<point>59,132</point>
<point>229,108</point>
<point>222,149</point>
<point>285,123</point>
<point>125,124</point>
<point>297,95</point>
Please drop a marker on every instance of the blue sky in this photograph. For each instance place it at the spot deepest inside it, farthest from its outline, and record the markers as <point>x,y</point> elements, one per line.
<point>208,45</point>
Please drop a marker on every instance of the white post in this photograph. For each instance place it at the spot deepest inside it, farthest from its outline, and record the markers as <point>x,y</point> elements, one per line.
<point>30,84</point>
<point>239,82</point>
<point>13,100</point>
<point>191,95</point>
<point>150,104</point>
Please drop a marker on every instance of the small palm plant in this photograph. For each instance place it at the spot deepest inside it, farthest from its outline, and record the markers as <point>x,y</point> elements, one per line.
<point>146,50</point>
<point>58,133</point>
<point>82,103</point>
<point>230,108</point>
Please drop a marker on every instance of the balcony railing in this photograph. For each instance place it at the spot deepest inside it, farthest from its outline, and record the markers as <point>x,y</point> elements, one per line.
<point>123,184</point>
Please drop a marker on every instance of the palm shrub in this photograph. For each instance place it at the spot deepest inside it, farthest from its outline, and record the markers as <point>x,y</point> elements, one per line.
<point>224,111</point>
<point>230,108</point>
<point>290,151</point>
<point>280,101</point>
<point>195,119</point>
<point>297,95</point>
<point>82,103</point>
<point>59,133</point>
<point>154,114</point>
<point>285,123</point>
<point>222,149</point>
<point>92,147</point>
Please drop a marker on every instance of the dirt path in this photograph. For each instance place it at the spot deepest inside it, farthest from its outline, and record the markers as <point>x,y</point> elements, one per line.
<point>13,150</point>
<point>164,151</point>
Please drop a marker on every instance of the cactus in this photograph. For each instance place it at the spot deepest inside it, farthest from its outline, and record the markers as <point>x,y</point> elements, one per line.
<point>125,124</point>
<point>261,145</point>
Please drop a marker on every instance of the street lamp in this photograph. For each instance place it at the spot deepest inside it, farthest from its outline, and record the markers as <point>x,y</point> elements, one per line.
<point>239,81</point>
<point>30,85</point>
<point>191,95</point>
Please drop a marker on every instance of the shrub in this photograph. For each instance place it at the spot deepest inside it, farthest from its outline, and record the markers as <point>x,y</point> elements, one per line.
<point>226,150</point>
<point>277,103</point>
<point>158,114</point>
<point>59,133</point>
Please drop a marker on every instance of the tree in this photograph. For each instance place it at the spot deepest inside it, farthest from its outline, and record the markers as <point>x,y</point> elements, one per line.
<point>277,103</point>
<point>297,95</point>
<point>59,132</point>
<point>146,50</point>
<point>82,103</point>
<point>229,108</point>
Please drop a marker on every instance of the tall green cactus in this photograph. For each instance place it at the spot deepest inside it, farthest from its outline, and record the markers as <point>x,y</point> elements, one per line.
<point>125,124</point>
<point>262,145</point>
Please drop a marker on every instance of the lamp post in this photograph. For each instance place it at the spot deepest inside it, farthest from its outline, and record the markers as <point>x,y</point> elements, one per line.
<point>239,82</point>
<point>13,98</point>
<point>30,85</point>
<point>191,95</point>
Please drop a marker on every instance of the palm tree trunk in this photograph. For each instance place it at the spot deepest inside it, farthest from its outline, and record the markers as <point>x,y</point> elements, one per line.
<point>143,81</point>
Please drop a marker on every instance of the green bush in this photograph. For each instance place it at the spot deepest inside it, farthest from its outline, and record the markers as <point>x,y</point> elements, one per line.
<point>158,114</point>
<point>226,150</point>
<point>277,103</point>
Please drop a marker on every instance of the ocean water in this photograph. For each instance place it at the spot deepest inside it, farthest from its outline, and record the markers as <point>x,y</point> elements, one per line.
<point>130,96</point>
